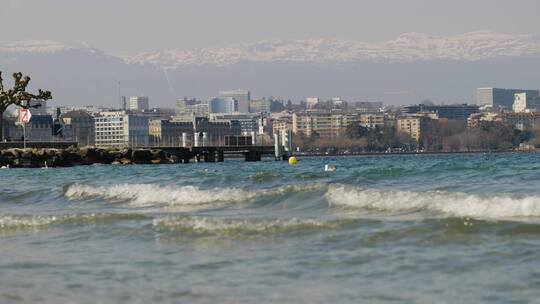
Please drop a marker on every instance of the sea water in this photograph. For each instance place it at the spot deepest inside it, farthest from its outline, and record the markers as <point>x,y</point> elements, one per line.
<point>455,228</point>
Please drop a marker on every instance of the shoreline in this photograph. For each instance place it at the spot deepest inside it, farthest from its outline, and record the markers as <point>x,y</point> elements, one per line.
<point>412,153</point>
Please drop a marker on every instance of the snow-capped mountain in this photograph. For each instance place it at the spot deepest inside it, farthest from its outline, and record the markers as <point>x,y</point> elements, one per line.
<point>403,70</point>
<point>406,48</point>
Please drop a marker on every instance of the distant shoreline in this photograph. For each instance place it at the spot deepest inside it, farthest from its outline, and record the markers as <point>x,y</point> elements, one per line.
<point>410,153</point>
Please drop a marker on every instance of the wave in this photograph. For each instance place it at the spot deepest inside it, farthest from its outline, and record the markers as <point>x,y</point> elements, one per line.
<point>453,204</point>
<point>217,226</point>
<point>16,222</point>
<point>189,197</point>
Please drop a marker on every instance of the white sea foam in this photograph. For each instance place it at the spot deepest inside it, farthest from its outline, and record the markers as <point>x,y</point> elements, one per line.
<point>40,221</point>
<point>146,195</point>
<point>453,204</point>
<point>207,225</point>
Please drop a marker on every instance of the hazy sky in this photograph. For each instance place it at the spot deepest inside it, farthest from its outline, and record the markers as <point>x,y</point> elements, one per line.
<point>132,26</point>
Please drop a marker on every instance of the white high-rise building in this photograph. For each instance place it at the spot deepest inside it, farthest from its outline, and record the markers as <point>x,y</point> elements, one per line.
<point>119,129</point>
<point>243,97</point>
<point>524,102</point>
<point>139,103</point>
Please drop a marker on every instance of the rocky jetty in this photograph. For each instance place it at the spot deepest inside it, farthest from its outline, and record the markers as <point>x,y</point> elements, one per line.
<point>37,158</point>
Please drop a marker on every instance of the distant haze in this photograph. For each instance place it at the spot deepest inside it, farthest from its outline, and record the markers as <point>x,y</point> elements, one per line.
<point>398,52</point>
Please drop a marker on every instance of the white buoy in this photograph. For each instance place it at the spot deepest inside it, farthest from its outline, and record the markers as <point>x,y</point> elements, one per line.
<point>329,168</point>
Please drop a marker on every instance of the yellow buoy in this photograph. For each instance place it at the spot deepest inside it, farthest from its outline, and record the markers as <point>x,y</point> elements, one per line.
<point>292,160</point>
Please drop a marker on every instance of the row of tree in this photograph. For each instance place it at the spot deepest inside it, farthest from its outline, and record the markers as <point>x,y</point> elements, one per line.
<point>447,136</point>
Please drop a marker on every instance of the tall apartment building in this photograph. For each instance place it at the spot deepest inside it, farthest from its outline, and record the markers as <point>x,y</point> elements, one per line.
<point>503,98</point>
<point>139,103</point>
<point>82,125</point>
<point>243,98</point>
<point>119,129</point>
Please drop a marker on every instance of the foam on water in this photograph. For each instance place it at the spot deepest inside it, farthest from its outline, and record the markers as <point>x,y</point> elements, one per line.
<point>453,204</point>
<point>147,195</point>
<point>209,225</point>
<point>8,222</point>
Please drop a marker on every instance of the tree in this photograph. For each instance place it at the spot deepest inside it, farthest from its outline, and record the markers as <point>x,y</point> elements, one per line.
<point>18,96</point>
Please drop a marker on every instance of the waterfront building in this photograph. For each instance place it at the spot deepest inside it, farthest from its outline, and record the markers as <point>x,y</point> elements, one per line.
<point>223,105</point>
<point>322,123</point>
<point>281,124</point>
<point>413,125</point>
<point>249,123</point>
<point>163,132</point>
<point>120,129</point>
<point>138,103</point>
<point>500,98</point>
<point>82,125</point>
<point>524,102</point>
<point>242,97</point>
<point>214,132</point>
<point>450,112</point>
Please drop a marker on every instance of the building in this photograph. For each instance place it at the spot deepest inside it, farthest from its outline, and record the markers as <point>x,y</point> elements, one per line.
<point>120,129</point>
<point>139,103</point>
<point>450,112</point>
<point>243,98</point>
<point>40,128</point>
<point>249,123</point>
<point>336,103</point>
<point>312,102</point>
<point>322,123</point>
<point>373,120</point>
<point>191,107</point>
<point>524,102</point>
<point>213,133</point>
<point>500,98</point>
<point>414,125</point>
<point>367,106</point>
<point>260,106</point>
<point>82,125</point>
<point>281,124</point>
<point>223,105</point>
<point>164,132</point>
<point>521,120</point>
<point>477,118</point>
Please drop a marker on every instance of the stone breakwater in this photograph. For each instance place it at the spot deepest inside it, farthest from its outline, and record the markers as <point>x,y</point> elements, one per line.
<point>37,158</point>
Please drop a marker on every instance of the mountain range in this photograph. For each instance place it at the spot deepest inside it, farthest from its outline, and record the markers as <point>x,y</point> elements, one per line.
<point>407,69</point>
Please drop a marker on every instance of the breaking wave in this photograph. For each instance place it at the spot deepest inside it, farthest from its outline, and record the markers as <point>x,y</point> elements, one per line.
<point>453,204</point>
<point>15,222</point>
<point>147,195</point>
<point>217,226</point>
